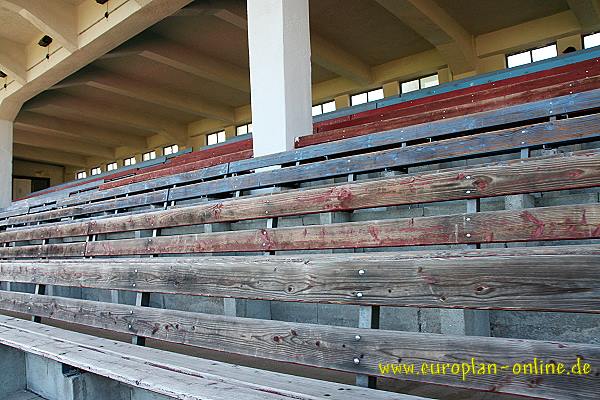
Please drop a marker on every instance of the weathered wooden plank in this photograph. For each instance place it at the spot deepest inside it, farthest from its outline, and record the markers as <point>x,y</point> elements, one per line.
<point>155,197</point>
<point>572,129</point>
<point>47,250</point>
<point>179,168</point>
<point>562,278</point>
<point>503,90</point>
<point>175,375</point>
<point>452,107</point>
<point>534,175</point>
<point>333,347</point>
<point>575,102</point>
<point>186,177</point>
<point>536,224</point>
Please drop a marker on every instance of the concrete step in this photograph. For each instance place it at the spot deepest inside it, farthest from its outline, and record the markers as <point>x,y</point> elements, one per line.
<point>23,395</point>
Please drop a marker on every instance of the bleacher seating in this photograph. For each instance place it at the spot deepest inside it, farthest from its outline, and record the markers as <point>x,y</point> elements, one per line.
<point>151,233</point>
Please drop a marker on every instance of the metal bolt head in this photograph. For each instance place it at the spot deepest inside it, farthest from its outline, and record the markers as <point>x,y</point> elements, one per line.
<point>359,295</point>
<point>468,235</point>
<point>128,326</point>
<point>136,271</point>
<point>357,338</point>
<point>361,272</point>
<point>131,312</point>
<point>468,192</point>
<point>468,219</point>
<point>468,176</point>
<point>356,360</point>
<point>133,285</point>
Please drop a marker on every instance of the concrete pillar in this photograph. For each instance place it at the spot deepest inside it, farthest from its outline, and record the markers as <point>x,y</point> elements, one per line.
<point>569,41</point>
<point>280,73</point>
<point>391,89</point>
<point>6,157</point>
<point>342,101</point>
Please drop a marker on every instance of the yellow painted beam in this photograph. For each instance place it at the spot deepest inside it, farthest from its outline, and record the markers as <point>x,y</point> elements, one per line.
<point>78,109</point>
<point>528,34</point>
<point>51,142</point>
<point>32,153</point>
<point>186,59</point>
<point>587,12</point>
<point>34,122</point>
<point>437,27</point>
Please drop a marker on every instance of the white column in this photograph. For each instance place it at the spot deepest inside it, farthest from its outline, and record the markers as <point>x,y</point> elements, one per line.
<point>6,157</point>
<point>280,73</point>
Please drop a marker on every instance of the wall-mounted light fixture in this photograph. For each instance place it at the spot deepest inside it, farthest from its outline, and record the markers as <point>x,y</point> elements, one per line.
<point>102,2</point>
<point>45,42</point>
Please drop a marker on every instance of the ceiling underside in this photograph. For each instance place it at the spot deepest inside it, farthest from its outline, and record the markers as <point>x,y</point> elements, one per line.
<point>215,30</point>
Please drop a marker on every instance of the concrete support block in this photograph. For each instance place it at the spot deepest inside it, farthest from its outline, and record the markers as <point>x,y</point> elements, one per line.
<point>56,381</point>
<point>12,365</point>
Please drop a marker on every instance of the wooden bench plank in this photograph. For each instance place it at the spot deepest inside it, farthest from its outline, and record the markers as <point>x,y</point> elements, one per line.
<point>579,170</point>
<point>481,120</point>
<point>534,224</point>
<point>164,182</point>
<point>174,375</point>
<point>475,95</point>
<point>138,200</point>
<point>332,347</point>
<point>568,130</point>
<point>563,278</point>
<point>428,112</point>
<point>179,168</point>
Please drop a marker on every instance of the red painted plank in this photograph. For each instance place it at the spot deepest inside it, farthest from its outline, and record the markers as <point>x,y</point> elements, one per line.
<point>451,110</point>
<point>562,73</point>
<point>167,170</point>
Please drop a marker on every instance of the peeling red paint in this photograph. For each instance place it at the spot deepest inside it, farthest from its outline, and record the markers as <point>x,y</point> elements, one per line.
<point>374,232</point>
<point>539,230</point>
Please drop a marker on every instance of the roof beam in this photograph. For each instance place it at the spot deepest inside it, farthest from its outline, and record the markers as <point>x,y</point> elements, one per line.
<point>587,12</point>
<point>324,53</point>
<point>185,59</point>
<point>437,27</point>
<point>162,97</point>
<point>12,60</point>
<point>34,122</point>
<point>57,157</point>
<point>82,110</point>
<point>51,142</point>
<point>55,18</point>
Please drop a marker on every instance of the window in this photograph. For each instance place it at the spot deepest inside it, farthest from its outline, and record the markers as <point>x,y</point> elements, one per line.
<point>243,129</point>
<point>111,167</point>
<point>214,138</point>
<point>591,40</point>
<point>81,175</point>
<point>531,55</point>
<point>96,171</point>
<point>129,161</point>
<point>323,108</point>
<point>151,155</point>
<point>172,149</point>
<point>361,98</point>
<point>420,83</point>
